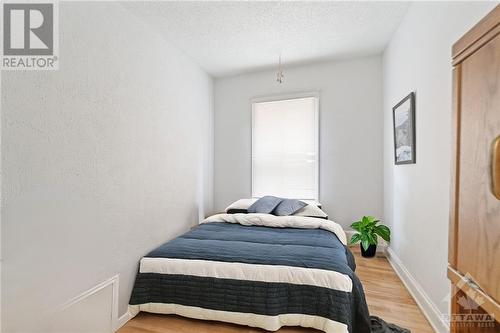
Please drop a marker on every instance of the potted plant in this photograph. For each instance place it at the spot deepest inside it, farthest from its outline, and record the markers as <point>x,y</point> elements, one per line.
<point>367,234</point>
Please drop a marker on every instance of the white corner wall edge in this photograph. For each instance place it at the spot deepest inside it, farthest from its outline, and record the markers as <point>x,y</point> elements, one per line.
<point>349,234</point>
<point>424,302</point>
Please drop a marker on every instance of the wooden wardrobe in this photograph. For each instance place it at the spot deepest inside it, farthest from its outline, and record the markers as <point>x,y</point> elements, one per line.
<point>474,239</point>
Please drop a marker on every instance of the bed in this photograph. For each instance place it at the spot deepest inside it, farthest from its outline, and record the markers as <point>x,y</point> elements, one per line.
<point>257,270</point>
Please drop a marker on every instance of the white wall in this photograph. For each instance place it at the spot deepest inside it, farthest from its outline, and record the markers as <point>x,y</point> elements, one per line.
<point>102,161</point>
<point>350,133</point>
<point>416,197</point>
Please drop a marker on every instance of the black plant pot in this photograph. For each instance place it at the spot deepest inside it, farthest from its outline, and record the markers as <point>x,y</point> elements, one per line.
<point>370,253</point>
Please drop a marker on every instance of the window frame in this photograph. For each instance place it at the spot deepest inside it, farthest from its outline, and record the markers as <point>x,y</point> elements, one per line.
<point>276,98</point>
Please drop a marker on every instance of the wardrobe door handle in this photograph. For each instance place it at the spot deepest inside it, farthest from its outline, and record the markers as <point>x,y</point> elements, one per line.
<point>495,167</point>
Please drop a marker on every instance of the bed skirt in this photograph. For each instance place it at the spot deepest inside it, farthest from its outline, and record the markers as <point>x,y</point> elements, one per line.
<point>270,323</point>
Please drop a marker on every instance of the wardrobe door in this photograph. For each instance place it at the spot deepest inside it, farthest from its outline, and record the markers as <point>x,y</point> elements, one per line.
<point>478,238</point>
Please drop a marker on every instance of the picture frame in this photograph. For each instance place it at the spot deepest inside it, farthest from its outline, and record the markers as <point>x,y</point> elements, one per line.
<point>403,120</point>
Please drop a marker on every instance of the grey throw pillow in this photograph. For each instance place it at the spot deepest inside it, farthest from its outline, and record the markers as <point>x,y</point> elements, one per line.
<point>288,207</point>
<point>265,205</point>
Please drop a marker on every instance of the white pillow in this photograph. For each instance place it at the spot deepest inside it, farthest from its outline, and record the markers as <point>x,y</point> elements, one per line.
<point>241,204</point>
<point>311,211</point>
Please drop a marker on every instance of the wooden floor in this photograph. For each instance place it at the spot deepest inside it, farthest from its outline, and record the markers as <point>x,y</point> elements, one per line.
<point>385,294</point>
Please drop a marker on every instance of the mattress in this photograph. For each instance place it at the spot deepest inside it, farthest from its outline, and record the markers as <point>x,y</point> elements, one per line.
<point>257,270</point>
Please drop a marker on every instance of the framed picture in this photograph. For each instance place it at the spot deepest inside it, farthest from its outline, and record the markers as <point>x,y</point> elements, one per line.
<point>403,116</point>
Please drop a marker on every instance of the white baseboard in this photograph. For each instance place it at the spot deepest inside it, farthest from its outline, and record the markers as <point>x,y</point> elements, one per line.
<point>116,322</point>
<point>112,282</point>
<point>123,320</point>
<point>428,308</point>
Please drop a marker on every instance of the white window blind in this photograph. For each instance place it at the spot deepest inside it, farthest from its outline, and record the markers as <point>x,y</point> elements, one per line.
<point>285,148</point>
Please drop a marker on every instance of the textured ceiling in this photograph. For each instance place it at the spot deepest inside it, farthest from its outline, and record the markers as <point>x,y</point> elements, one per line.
<point>227,38</point>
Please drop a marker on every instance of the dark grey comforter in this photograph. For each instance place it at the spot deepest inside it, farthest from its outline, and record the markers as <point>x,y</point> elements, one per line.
<point>226,242</point>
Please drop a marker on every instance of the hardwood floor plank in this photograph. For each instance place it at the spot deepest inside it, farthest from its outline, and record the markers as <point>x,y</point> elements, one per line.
<point>386,296</point>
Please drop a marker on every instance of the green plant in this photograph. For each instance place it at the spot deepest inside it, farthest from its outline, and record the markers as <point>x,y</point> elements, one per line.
<point>368,230</point>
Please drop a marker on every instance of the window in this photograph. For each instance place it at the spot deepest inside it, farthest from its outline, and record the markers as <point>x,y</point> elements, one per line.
<point>285,148</point>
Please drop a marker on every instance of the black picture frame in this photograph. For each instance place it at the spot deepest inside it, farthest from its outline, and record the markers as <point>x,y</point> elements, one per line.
<point>403,125</point>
